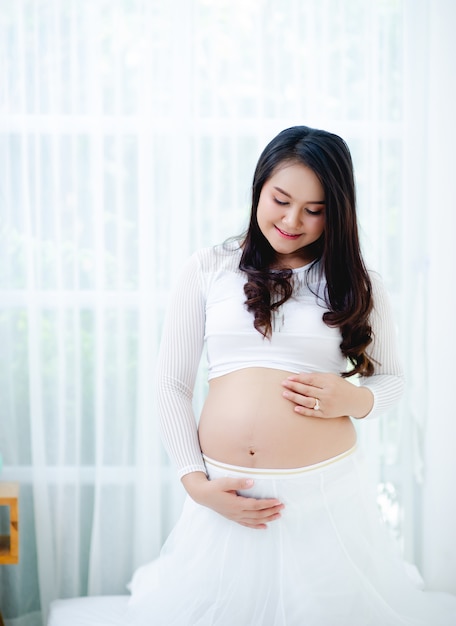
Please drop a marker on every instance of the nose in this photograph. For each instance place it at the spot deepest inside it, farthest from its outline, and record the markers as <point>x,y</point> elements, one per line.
<point>292,218</point>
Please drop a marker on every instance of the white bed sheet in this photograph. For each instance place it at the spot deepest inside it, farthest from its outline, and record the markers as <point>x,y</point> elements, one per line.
<point>90,611</point>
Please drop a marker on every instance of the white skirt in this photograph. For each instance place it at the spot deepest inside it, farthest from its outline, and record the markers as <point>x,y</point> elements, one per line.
<point>327,561</point>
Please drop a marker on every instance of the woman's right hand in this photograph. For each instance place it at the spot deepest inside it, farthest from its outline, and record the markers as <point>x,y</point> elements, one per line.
<point>221,496</point>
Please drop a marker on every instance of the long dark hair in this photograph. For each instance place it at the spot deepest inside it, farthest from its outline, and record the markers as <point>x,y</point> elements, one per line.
<point>349,290</point>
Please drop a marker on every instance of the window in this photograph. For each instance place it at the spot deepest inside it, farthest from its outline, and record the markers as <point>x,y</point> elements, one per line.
<point>129,135</point>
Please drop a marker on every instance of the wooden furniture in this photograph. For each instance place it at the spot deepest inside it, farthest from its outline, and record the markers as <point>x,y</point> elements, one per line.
<point>9,544</point>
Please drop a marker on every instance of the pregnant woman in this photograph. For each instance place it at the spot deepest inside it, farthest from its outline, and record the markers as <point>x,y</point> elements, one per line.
<point>279,527</point>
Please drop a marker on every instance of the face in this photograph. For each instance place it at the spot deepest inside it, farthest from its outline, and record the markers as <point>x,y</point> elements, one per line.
<point>291,213</point>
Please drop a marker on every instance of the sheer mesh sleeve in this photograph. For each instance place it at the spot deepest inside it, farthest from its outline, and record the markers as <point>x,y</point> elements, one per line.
<point>387,383</point>
<point>180,353</point>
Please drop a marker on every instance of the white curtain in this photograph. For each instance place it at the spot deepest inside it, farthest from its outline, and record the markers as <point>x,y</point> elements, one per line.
<point>438,546</point>
<point>129,131</point>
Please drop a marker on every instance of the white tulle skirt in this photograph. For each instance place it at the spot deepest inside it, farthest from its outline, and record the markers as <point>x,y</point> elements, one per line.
<point>328,561</point>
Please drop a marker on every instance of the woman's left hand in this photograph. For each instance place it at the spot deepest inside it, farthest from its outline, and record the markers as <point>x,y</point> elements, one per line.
<point>327,395</point>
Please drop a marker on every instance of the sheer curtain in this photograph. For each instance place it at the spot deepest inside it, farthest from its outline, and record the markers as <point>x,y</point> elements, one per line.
<point>438,547</point>
<point>129,134</point>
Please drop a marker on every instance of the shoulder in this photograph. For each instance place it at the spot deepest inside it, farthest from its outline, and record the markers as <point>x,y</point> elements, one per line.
<point>377,282</point>
<point>380,297</point>
<point>222,257</point>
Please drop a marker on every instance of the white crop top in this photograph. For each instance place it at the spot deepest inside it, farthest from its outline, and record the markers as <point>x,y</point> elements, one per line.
<point>208,307</point>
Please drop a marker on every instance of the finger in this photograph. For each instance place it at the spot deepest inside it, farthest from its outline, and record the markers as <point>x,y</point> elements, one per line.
<point>253,526</point>
<point>305,401</point>
<point>310,379</point>
<point>301,388</point>
<point>263,505</point>
<point>240,484</point>
<point>258,522</point>
<point>310,412</point>
<point>270,517</point>
<point>235,484</point>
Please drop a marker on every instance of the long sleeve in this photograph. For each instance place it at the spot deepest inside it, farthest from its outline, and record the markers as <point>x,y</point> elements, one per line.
<point>179,357</point>
<point>387,383</point>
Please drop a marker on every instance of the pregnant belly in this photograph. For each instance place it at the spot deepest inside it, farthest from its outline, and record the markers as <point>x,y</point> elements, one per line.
<point>246,421</point>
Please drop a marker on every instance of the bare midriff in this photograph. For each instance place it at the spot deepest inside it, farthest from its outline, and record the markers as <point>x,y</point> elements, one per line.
<point>246,421</point>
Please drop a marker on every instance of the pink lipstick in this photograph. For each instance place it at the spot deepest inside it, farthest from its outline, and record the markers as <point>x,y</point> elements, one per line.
<point>287,235</point>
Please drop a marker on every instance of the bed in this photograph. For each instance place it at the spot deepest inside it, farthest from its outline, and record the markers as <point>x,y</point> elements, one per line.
<point>90,611</point>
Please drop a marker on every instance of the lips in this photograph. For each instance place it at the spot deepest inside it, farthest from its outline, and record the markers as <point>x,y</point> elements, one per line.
<point>287,235</point>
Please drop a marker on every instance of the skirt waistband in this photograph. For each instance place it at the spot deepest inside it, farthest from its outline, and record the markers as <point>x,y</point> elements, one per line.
<point>280,472</point>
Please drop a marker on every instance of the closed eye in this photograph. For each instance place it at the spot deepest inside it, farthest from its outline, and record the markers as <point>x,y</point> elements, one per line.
<point>308,211</point>
<point>280,202</point>
<point>317,212</point>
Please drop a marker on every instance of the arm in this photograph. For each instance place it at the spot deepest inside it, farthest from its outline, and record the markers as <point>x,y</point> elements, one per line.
<point>387,384</point>
<point>179,357</point>
<point>375,394</point>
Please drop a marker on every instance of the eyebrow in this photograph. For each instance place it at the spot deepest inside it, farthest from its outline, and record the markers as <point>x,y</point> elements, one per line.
<point>288,196</point>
